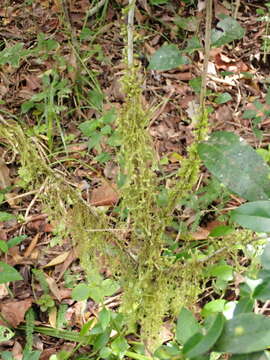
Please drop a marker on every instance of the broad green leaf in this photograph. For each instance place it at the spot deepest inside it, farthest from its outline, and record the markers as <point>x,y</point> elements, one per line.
<point>262,291</point>
<point>186,326</point>
<point>8,273</point>
<point>166,58</point>
<point>245,333</point>
<point>254,215</point>
<point>223,98</point>
<point>213,306</point>
<point>12,55</point>
<point>222,271</point>
<point>265,257</point>
<point>244,305</point>
<point>237,165</point>
<point>81,292</point>
<point>205,342</point>
<point>158,2</point>
<point>101,340</point>
<point>261,355</point>
<point>231,30</point>
<point>5,333</point>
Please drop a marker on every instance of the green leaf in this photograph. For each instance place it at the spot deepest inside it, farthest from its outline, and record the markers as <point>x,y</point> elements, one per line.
<point>205,342</point>
<point>12,55</point>
<point>221,230</point>
<point>4,216</point>
<point>109,287</point>
<point>193,44</point>
<point>186,326</point>
<point>3,246</point>
<point>222,271</point>
<point>190,23</point>
<point>166,58</point>
<point>244,305</point>
<point>231,30</point>
<point>104,318</point>
<point>88,127</point>
<point>213,307</point>
<point>96,99</point>
<point>94,140</point>
<point>245,333</point>
<point>237,165</point>
<point>261,355</point>
<point>5,333</point>
<point>265,257</point>
<point>16,240</point>
<point>103,157</point>
<point>223,98</point>
<point>80,292</point>
<point>254,215</point>
<point>8,273</point>
<point>262,291</point>
<point>119,346</point>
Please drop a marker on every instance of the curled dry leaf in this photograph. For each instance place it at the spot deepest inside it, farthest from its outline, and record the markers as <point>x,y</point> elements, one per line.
<point>14,311</point>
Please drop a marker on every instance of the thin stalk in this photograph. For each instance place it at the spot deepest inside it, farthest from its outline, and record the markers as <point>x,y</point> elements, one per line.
<point>130,31</point>
<point>207,45</point>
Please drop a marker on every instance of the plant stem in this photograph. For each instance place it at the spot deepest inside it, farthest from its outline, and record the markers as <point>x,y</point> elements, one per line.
<point>207,45</point>
<point>130,28</point>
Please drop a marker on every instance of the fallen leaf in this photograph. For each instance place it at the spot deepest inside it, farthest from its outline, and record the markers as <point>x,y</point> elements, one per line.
<point>4,175</point>
<point>104,195</point>
<point>200,234</point>
<point>32,245</point>
<point>53,287</point>
<point>53,317</point>
<point>14,311</point>
<point>58,259</point>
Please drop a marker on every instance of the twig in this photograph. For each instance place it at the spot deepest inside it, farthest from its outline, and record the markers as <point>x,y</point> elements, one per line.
<point>95,9</point>
<point>35,198</point>
<point>130,29</point>
<point>207,45</point>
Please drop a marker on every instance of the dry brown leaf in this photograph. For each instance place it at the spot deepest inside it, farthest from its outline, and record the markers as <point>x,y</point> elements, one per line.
<point>53,287</point>
<point>200,234</point>
<point>104,195</point>
<point>53,317</point>
<point>14,311</point>
<point>4,175</point>
<point>32,245</point>
<point>58,259</point>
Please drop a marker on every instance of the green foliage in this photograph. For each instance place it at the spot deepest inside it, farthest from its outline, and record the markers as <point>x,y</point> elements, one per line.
<point>8,273</point>
<point>231,30</point>
<point>236,165</point>
<point>5,333</point>
<point>167,57</point>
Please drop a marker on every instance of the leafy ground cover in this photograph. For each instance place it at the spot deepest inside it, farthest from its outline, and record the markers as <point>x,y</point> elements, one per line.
<point>69,125</point>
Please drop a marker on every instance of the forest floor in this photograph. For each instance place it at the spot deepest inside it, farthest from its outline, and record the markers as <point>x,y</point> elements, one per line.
<point>61,66</point>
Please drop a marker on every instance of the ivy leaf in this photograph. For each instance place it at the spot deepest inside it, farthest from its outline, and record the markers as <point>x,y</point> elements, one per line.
<point>166,58</point>
<point>230,31</point>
